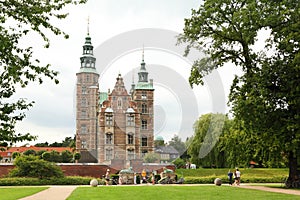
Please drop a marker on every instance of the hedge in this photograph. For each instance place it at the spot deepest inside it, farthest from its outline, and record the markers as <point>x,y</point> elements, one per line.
<point>70,180</point>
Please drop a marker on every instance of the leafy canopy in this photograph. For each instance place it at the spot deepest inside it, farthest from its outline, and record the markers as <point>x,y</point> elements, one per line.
<point>18,66</point>
<point>266,97</point>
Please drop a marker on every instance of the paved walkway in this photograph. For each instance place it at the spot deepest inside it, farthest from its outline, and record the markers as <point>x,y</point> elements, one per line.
<point>269,189</point>
<point>52,193</point>
<point>62,192</point>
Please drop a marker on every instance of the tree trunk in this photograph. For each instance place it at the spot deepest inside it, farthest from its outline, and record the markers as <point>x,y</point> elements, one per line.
<point>293,178</point>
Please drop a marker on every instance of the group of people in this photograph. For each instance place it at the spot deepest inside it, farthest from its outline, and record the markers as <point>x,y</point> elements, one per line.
<point>236,176</point>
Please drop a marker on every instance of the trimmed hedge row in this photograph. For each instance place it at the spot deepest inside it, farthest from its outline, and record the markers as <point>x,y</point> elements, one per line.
<point>76,180</point>
<point>210,179</point>
<point>70,180</point>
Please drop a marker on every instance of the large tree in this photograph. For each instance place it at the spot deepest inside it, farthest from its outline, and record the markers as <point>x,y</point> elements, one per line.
<point>209,131</point>
<point>266,97</point>
<point>18,67</point>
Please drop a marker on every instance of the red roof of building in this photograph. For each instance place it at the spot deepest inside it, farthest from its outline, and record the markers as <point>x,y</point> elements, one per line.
<point>22,149</point>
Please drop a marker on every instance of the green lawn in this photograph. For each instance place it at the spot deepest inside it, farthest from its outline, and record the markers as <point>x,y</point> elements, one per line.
<point>18,192</point>
<point>174,192</point>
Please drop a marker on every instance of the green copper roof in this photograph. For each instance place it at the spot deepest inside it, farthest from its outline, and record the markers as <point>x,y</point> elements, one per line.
<point>88,70</point>
<point>103,97</point>
<point>144,86</point>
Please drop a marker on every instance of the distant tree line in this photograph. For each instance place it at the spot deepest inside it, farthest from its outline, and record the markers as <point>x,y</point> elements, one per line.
<point>67,142</point>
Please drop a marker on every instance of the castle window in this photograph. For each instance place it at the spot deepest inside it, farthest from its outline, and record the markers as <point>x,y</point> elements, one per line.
<point>83,145</point>
<point>144,125</point>
<point>130,138</point>
<point>87,78</point>
<point>130,154</point>
<point>144,108</point>
<point>83,102</point>
<point>108,154</point>
<point>83,90</point>
<point>130,120</point>
<point>83,114</point>
<point>109,120</point>
<point>83,129</point>
<point>144,141</point>
<point>144,95</point>
<point>144,152</point>
<point>119,103</point>
<point>109,138</point>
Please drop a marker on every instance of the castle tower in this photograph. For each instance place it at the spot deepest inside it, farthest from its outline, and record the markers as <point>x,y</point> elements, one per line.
<point>143,95</point>
<point>87,93</point>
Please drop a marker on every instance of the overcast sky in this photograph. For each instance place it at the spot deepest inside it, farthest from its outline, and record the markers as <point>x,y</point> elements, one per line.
<point>119,29</point>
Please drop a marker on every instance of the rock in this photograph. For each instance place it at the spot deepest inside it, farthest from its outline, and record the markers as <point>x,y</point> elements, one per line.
<point>94,182</point>
<point>218,182</point>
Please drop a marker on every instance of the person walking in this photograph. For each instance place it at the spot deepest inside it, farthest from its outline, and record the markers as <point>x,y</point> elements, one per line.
<point>238,176</point>
<point>230,175</point>
<point>107,177</point>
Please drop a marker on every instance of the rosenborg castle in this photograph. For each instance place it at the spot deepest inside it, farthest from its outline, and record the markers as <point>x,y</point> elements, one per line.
<point>117,124</point>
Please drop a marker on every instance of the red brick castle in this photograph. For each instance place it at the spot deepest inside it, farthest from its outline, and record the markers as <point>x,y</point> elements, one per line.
<point>114,125</point>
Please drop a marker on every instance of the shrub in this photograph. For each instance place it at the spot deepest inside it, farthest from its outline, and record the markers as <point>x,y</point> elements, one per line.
<point>77,156</point>
<point>179,163</point>
<point>66,156</point>
<point>71,180</point>
<point>33,166</point>
<point>29,152</point>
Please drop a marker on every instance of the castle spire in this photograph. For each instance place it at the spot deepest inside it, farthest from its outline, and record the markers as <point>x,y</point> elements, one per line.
<point>88,25</point>
<point>143,74</point>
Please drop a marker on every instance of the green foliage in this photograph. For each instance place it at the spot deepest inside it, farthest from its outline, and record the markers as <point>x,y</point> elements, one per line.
<point>151,157</point>
<point>179,163</point>
<point>19,21</point>
<point>177,143</point>
<point>46,156</point>
<point>15,155</point>
<point>266,97</point>
<point>77,156</point>
<point>33,166</point>
<point>66,156</point>
<point>206,148</point>
<point>69,180</point>
<point>29,152</point>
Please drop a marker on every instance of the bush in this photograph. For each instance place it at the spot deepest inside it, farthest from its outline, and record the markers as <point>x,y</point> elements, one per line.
<point>179,163</point>
<point>71,180</point>
<point>33,166</point>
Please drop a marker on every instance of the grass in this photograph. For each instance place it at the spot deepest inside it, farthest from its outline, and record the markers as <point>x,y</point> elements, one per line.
<point>174,193</point>
<point>256,175</point>
<point>18,192</point>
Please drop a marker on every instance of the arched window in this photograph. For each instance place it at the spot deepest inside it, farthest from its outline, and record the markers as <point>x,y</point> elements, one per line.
<point>144,108</point>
